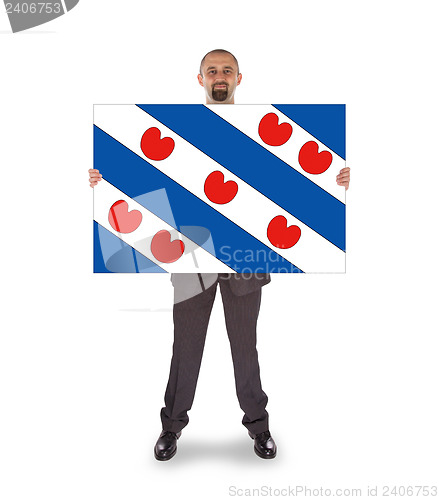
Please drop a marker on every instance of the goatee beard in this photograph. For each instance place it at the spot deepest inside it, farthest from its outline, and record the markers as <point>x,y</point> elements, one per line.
<point>220,95</point>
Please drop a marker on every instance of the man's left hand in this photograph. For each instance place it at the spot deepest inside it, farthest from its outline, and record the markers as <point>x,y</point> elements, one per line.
<point>344,177</point>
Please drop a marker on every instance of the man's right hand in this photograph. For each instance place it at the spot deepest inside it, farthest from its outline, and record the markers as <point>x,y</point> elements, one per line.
<point>95,177</point>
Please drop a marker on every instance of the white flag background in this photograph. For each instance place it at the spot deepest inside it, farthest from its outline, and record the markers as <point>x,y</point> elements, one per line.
<point>349,362</point>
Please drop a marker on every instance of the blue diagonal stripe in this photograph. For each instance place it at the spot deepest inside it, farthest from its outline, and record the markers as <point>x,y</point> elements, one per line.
<point>135,176</point>
<point>291,190</point>
<point>119,256</point>
<point>326,122</point>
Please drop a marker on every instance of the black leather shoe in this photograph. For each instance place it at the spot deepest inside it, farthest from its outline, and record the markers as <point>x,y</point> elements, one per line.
<point>265,447</point>
<point>166,446</point>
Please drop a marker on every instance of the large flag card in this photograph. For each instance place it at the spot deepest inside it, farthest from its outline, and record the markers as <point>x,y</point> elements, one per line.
<point>219,188</point>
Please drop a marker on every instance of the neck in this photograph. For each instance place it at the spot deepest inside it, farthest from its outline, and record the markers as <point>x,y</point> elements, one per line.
<point>211,101</point>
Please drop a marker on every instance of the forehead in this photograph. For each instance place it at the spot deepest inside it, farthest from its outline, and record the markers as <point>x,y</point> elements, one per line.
<point>219,60</point>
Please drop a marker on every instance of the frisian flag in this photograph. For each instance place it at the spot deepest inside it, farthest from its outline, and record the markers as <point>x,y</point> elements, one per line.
<point>217,188</point>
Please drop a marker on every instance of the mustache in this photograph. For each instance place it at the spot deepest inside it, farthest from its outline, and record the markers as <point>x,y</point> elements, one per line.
<point>220,83</point>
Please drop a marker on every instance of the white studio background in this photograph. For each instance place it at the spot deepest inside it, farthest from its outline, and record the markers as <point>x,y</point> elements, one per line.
<point>349,362</point>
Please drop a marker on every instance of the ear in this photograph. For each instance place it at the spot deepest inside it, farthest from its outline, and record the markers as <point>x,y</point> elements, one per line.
<point>200,80</point>
<point>239,79</point>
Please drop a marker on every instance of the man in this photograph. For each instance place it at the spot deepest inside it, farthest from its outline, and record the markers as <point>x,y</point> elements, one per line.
<point>194,295</point>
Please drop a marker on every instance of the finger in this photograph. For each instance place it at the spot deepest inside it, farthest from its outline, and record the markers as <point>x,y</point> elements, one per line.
<point>95,177</point>
<point>346,169</point>
<point>343,177</point>
<point>93,170</point>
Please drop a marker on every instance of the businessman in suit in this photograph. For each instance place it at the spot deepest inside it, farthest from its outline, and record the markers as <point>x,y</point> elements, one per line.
<point>241,296</point>
<point>194,295</point>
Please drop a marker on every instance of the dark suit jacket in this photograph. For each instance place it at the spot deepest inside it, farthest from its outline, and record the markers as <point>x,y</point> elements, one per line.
<point>187,285</point>
<point>241,284</point>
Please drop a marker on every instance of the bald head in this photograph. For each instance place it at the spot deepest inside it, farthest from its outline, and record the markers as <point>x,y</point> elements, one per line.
<point>219,75</point>
<point>219,52</point>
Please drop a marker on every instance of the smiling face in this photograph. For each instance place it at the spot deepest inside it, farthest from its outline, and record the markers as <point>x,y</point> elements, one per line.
<point>219,77</point>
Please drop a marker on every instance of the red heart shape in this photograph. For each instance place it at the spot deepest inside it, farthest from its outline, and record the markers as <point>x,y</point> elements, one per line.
<point>280,235</point>
<point>219,191</point>
<point>165,250</point>
<point>272,133</point>
<point>311,160</point>
<point>155,148</point>
<point>121,220</point>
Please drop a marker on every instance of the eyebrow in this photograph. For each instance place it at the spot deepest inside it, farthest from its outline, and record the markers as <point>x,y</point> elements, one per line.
<point>214,67</point>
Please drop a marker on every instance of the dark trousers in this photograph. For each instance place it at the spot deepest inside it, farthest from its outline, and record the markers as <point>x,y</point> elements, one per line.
<point>191,318</point>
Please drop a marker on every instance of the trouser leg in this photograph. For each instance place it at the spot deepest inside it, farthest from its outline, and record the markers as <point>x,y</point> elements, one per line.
<point>191,319</point>
<point>241,313</point>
